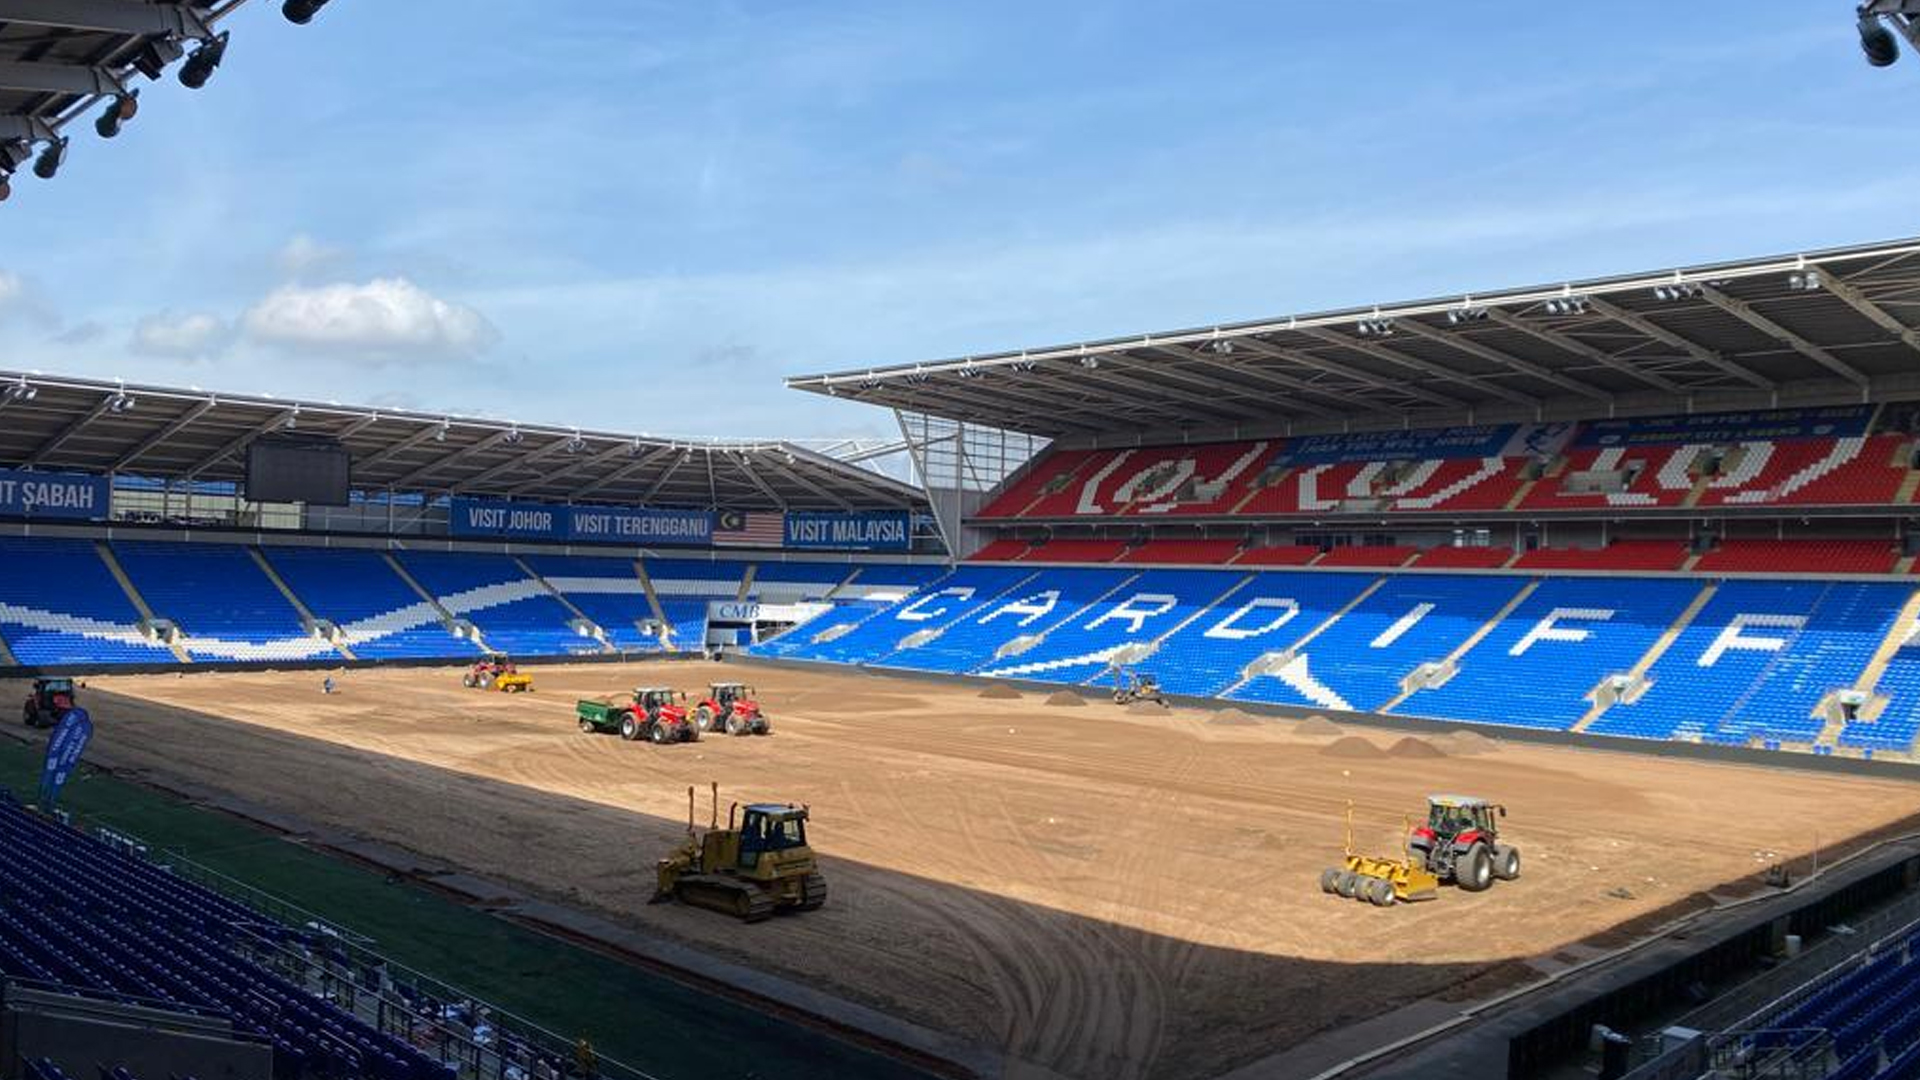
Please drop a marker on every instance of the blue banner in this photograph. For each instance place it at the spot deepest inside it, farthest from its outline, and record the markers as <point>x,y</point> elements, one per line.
<point>850,532</point>
<point>1765,424</point>
<point>1417,445</point>
<point>70,496</point>
<point>499,519</point>
<point>63,754</point>
<point>622,525</point>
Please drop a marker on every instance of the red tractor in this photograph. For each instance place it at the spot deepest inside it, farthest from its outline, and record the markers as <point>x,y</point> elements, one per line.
<point>1460,842</point>
<point>662,716</point>
<point>49,703</point>
<point>483,673</point>
<point>731,707</point>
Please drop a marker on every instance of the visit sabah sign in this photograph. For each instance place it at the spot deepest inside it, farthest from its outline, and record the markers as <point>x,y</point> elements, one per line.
<point>54,495</point>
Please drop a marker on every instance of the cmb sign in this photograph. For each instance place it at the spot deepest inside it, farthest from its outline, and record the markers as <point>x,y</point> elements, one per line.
<point>68,496</point>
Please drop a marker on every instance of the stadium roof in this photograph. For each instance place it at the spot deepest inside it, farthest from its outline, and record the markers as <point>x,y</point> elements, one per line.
<point>56,423</point>
<point>1825,327</point>
<point>59,57</point>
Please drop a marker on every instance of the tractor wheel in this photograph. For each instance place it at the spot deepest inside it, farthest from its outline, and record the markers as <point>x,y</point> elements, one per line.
<point>660,733</point>
<point>737,725</point>
<point>703,718</point>
<point>629,727</point>
<point>466,681</point>
<point>1330,879</point>
<point>1380,894</point>
<point>689,733</point>
<point>586,725</point>
<point>762,726</point>
<point>1347,884</point>
<point>1506,862</point>
<point>1474,871</point>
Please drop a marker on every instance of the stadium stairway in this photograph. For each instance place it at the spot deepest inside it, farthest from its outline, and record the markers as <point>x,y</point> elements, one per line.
<point>594,629</point>
<point>1451,662</point>
<point>447,620</point>
<point>1637,675</point>
<point>306,613</point>
<point>139,602</point>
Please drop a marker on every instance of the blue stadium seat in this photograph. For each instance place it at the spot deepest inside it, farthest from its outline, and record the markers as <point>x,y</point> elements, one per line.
<point>60,605</point>
<point>1148,608</point>
<point>1048,599</point>
<point>1275,609</point>
<point>355,589</point>
<point>608,591</point>
<point>1539,666</point>
<point>221,600</point>
<point>684,587</point>
<point>1757,660</point>
<point>515,613</point>
<point>1361,661</point>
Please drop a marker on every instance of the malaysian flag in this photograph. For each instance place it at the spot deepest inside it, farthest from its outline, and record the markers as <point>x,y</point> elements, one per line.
<point>743,529</point>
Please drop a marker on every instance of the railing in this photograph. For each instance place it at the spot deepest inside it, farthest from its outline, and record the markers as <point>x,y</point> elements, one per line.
<point>1797,1054</point>
<point>481,1041</point>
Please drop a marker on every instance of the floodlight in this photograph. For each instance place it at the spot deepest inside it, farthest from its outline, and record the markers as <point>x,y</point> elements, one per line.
<point>205,59</point>
<point>301,12</point>
<point>47,165</point>
<point>118,111</point>
<point>1878,42</point>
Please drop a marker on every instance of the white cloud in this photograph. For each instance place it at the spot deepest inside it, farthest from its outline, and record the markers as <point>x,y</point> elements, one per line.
<point>303,255</point>
<point>194,335</point>
<point>19,299</point>
<point>384,319</point>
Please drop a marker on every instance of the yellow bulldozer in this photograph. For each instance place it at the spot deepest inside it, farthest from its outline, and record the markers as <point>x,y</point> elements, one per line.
<point>751,870</point>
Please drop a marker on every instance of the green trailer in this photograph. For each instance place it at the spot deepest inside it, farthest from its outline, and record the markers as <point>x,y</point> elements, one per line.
<point>653,714</point>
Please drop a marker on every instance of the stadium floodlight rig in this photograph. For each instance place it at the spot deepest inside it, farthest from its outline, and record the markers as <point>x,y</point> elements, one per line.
<point>1878,21</point>
<point>63,59</point>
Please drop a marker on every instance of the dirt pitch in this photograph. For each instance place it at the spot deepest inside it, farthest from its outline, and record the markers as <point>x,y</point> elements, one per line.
<point>1091,893</point>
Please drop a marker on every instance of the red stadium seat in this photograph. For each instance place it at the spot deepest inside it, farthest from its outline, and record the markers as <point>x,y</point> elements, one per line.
<point>1619,555</point>
<point>1464,558</point>
<point>1284,555</point>
<point>1381,555</point>
<point>1187,552</point>
<point>1801,557</point>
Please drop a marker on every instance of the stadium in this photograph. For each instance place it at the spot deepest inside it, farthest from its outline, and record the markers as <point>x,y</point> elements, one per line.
<point>1522,682</point>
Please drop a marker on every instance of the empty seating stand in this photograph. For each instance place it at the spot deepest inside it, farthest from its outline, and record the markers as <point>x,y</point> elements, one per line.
<point>1183,552</point>
<point>89,919</point>
<point>1463,558</point>
<point>1383,555</point>
<point>1002,550</point>
<point>607,591</point>
<point>1279,555</point>
<point>514,613</point>
<point>1619,555</point>
<point>685,587</point>
<point>1076,551</point>
<point>60,606</point>
<point>377,611</point>
<point>221,600</point>
<point>1801,557</point>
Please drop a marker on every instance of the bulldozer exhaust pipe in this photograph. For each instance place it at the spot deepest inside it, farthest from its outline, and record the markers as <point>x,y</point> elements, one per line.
<point>689,809</point>
<point>714,817</point>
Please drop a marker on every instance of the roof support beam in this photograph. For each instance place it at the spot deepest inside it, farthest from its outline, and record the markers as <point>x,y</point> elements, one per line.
<point>1504,359</point>
<point>274,423</point>
<point>740,462</point>
<point>513,465</point>
<point>645,461</point>
<point>108,16</point>
<point>793,474</point>
<point>1365,378</point>
<point>400,447</point>
<point>75,79</point>
<point>1394,356</point>
<point>454,458</point>
<point>60,438</point>
<point>1271,379</point>
<point>26,129</point>
<point>1744,311</point>
<point>178,425</point>
<point>1054,413</point>
<point>686,454</point>
<point>1847,293</point>
<point>1568,343</point>
<point>1672,340</point>
<point>1134,376</point>
<point>572,466</point>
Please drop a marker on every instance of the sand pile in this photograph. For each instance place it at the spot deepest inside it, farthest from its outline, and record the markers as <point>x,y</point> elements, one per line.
<point>1415,747</point>
<point>1233,718</point>
<point>1065,697</point>
<point>1353,746</point>
<point>1147,708</point>
<point>1000,692</point>
<point>1468,743</point>
<point>1318,727</point>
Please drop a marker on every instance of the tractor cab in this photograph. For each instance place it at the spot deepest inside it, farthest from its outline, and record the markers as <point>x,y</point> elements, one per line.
<point>730,707</point>
<point>767,829</point>
<point>1461,817</point>
<point>1460,842</point>
<point>654,699</point>
<point>725,694</point>
<point>49,703</point>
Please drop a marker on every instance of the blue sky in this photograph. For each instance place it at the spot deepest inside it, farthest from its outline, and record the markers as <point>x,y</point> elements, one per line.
<point>641,215</point>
